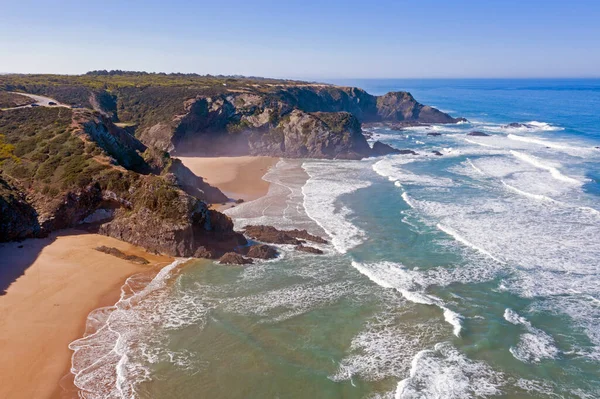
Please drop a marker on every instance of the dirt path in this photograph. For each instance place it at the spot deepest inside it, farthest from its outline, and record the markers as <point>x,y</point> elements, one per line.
<point>41,101</point>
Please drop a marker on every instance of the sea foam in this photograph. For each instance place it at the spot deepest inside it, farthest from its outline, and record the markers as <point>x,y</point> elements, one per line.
<point>444,372</point>
<point>327,183</point>
<point>533,346</point>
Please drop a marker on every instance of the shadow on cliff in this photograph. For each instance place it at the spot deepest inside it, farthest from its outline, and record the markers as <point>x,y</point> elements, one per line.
<point>16,257</point>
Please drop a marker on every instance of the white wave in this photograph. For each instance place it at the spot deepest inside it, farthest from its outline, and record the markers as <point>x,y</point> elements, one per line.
<point>406,282</point>
<point>444,372</point>
<point>454,319</point>
<point>481,144</point>
<point>537,197</point>
<point>541,165</point>
<point>386,347</point>
<point>392,168</point>
<point>475,167</point>
<point>406,199</point>
<point>531,126</point>
<point>103,361</point>
<point>534,345</point>
<point>464,241</point>
<point>328,181</point>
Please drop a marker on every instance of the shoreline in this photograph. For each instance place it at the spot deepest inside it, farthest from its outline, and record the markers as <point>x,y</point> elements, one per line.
<point>237,177</point>
<point>64,279</point>
<point>45,308</point>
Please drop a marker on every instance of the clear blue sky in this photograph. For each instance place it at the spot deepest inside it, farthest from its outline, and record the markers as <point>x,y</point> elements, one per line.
<point>305,39</point>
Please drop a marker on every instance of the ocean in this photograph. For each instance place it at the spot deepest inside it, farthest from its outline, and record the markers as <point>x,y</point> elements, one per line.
<point>468,275</point>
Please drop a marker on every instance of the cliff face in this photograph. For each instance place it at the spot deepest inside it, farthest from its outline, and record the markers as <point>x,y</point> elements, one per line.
<point>311,121</point>
<point>18,218</point>
<point>76,166</point>
<point>191,229</point>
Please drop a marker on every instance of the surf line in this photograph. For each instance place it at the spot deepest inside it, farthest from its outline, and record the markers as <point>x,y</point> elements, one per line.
<point>463,241</point>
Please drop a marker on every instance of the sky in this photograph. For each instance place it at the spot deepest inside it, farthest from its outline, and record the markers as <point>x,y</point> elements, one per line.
<point>305,39</point>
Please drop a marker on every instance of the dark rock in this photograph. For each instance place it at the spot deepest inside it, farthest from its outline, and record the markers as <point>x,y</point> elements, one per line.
<point>294,121</point>
<point>270,234</point>
<point>311,250</point>
<point>231,258</point>
<point>434,134</point>
<point>305,235</point>
<point>476,133</point>
<point>517,125</point>
<point>380,149</point>
<point>239,201</point>
<point>119,254</point>
<point>437,153</point>
<point>274,236</point>
<point>196,231</point>
<point>18,218</point>
<point>261,251</point>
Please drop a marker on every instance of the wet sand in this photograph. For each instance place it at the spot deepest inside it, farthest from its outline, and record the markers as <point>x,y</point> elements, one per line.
<point>46,308</point>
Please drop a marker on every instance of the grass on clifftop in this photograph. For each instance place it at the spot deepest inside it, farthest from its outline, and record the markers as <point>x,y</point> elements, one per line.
<point>9,100</point>
<point>50,157</point>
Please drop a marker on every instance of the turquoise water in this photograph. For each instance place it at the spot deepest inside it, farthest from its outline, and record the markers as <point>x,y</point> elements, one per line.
<point>472,274</point>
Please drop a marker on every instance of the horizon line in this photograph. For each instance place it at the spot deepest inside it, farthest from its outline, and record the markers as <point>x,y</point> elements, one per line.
<point>314,79</point>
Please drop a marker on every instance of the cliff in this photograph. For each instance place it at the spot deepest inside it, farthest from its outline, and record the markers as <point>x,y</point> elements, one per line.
<point>76,166</point>
<point>214,115</point>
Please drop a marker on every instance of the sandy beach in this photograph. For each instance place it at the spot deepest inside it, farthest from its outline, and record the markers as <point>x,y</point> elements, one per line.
<point>64,278</point>
<point>45,308</point>
<point>237,177</point>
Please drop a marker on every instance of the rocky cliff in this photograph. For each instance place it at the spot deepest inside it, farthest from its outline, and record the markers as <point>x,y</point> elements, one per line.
<point>313,122</point>
<point>208,115</point>
<point>75,166</point>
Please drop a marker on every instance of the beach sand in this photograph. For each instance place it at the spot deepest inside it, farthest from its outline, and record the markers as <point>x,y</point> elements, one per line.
<point>65,278</point>
<point>46,308</point>
<point>237,177</point>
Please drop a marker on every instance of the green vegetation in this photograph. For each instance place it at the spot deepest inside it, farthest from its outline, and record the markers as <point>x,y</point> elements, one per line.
<point>9,100</point>
<point>137,98</point>
<point>40,150</point>
<point>7,151</point>
<point>47,155</point>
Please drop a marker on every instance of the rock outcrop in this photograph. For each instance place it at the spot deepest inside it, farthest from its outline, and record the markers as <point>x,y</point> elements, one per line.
<point>273,235</point>
<point>260,251</point>
<point>77,167</point>
<point>232,258</point>
<point>310,250</point>
<point>380,149</point>
<point>479,134</point>
<point>295,122</point>
<point>189,229</point>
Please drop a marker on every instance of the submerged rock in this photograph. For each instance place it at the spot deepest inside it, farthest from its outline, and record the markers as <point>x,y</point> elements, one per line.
<point>311,250</point>
<point>231,258</point>
<point>437,153</point>
<point>476,133</point>
<point>517,125</point>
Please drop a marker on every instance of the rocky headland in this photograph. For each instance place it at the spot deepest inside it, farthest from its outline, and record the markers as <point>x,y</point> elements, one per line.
<point>106,157</point>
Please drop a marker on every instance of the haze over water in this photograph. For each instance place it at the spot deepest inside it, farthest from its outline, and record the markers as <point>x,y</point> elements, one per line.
<point>472,274</point>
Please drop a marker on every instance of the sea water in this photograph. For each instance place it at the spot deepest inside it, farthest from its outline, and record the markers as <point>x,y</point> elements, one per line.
<point>471,274</point>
